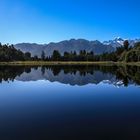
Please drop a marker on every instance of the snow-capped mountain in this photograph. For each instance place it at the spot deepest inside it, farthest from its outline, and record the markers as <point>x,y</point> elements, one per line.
<point>118,42</point>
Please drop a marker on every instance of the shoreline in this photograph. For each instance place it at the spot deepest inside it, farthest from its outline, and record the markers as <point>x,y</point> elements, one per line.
<point>40,63</point>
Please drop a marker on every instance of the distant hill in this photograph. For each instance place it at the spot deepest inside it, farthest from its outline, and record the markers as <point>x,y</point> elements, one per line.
<point>65,46</point>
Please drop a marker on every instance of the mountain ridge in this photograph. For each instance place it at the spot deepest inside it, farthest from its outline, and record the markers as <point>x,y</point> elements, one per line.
<point>73,45</point>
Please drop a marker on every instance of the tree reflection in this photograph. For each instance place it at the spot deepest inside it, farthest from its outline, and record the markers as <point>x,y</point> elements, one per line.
<point>127,74</point>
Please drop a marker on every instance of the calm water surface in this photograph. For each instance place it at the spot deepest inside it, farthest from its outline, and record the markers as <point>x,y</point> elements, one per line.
<point>70,102</point>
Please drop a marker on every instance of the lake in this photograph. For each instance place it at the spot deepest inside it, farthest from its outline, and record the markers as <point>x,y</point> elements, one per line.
<point>70,102</point>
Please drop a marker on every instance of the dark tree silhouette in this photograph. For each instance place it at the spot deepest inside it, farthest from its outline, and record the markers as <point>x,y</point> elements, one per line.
<point>27,56</point>
<point>56,55</point>
<point>9,53</point>
<point>126,44</point>
<point>43,55</point>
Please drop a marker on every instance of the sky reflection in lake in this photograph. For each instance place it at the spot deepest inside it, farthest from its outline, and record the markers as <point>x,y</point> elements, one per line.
<point>45,105</point>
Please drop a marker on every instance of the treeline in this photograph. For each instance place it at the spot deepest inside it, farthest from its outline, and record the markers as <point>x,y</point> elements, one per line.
<point>9,53</point>
<point>85,56</point>
<point>72,56</point>
<point>124,53</point>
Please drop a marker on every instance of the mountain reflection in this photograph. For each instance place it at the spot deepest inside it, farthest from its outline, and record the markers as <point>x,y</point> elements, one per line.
<point>73,75</point>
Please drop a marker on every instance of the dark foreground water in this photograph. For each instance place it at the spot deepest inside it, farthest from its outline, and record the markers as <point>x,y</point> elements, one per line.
<point>70,103</point>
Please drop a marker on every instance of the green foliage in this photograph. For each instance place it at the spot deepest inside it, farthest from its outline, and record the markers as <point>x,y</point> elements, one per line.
<point>56,55</point>
<point>9,53</point>
<point>27,56</point>
<point>133,54</point>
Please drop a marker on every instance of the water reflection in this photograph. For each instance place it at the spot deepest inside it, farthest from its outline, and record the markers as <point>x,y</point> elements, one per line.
<point>42,110</point>
<point>73,75</point>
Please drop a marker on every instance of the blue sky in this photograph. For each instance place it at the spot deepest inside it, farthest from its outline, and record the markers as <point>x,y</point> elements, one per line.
<point>44,21</point>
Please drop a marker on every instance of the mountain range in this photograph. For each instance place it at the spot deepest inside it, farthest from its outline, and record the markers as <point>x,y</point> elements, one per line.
<point>73,45</point>
<point>118,42</point>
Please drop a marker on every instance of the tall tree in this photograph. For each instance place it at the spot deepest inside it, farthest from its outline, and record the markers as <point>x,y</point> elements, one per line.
<point>126,44</point>
<point>43,55</point>
<point>56,55</point>
<point>27,56</point>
